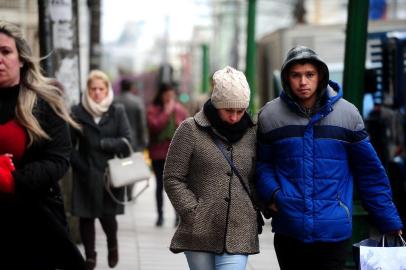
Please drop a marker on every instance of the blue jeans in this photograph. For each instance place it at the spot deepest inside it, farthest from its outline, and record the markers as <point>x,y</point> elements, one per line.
<point>209,261</point>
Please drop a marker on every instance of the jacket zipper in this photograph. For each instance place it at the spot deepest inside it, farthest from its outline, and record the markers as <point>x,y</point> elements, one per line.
<point>347,211</point>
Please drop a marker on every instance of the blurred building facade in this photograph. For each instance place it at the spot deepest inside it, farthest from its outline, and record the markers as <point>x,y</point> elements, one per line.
<point>25,14</point>
<point>221,25</point>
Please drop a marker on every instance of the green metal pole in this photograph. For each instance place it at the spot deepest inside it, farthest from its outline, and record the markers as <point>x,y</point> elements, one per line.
<point>355,48</point>
<point>251,53</point>
<point>205,68</point>
<point>353,87</point>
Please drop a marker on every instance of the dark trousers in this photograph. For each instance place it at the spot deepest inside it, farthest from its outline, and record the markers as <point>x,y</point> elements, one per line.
<point>158,167</point>
<point>88,234</point>
<point>293,254</point>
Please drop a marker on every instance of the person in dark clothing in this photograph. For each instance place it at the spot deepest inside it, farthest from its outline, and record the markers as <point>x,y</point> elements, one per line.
<point>104,127</point>
<point>312,146</point>
<point>164,115</point>
<point>34,155</point>
<point>135,109</point>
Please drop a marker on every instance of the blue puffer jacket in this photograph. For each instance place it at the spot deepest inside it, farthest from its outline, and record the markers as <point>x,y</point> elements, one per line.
<point>309,164</point>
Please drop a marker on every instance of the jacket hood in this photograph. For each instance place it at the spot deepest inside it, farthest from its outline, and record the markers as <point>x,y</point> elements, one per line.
<point>304,54</point>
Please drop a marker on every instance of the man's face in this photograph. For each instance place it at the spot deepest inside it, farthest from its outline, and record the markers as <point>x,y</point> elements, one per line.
<point>303,81</point>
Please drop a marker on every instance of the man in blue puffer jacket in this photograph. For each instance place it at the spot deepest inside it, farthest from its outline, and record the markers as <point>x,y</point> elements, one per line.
<point>312,145</point>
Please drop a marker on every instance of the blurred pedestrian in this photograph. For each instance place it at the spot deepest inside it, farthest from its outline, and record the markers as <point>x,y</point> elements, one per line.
<point>104,127</point>
<point>312,145</point>
<point>164,115</point>
<point>135,109</point>
<point>34,155</point>
<point>218,222</point>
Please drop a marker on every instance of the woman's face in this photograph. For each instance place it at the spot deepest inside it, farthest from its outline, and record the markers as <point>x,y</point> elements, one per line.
<point>168,96</point>
<point>10,63</point>
<point>231,116</point>
<point>98,90</point>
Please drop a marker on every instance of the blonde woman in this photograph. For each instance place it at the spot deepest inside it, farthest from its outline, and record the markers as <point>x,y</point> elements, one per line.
<point>104,126</point>
<point>34,154</point>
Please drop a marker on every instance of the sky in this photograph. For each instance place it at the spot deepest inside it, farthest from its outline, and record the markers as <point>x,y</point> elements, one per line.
<point>182,14</point>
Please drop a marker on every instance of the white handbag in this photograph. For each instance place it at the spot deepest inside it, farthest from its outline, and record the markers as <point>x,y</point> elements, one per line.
<point>121,172</point>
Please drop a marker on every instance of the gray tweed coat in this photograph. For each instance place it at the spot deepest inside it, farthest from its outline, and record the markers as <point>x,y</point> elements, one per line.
<point>216,213</point>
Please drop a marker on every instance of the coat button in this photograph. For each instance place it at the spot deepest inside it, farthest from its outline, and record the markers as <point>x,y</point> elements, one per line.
<point>229,173</point>
<point>227,199</point>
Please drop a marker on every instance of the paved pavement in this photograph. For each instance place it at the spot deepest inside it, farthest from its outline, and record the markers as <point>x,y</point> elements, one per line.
<point>142,246</point>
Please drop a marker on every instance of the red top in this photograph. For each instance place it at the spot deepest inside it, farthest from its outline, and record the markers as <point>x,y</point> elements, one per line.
<point>13,139</point>
<point>157,119</point>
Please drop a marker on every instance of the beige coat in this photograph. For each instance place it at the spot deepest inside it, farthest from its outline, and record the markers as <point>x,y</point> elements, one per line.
<point>216,213</point>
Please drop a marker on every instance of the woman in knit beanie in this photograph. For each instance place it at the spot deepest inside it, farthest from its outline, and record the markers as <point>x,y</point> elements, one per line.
<point>218,223</point>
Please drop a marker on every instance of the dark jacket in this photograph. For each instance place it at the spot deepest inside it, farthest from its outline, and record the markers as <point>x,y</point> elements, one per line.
<point>308,164</point>
<point>92,148</point>
<point>33,225</point>
<point>216,212</point>
<point>137,119</point>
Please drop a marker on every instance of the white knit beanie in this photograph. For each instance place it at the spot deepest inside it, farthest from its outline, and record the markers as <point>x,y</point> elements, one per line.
<point>230,89</point>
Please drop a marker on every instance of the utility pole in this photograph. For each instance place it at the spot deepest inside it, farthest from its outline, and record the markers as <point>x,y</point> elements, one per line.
<point>45,37</point>
<point>251,53</point>
<point>299,12</point>
<point>165,41</point>
<point>235,52</point>
<point>355,48</point>
<point>205,68</point>
<point>353,87</point>
<point>95,34</point>
<point>59,44</point>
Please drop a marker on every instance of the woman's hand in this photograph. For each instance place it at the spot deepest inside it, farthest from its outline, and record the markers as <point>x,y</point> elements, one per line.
<point>395,233</point>
<point>273,207</point>
<point>6,178</point>
<point>169,106</point>
<point>6,162</point>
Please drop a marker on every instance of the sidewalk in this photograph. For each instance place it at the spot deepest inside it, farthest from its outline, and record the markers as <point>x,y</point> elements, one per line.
<point>142,246</point>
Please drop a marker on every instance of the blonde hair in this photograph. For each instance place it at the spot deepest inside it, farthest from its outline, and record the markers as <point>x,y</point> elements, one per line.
<point>33,85</point>
<point>98,74</point>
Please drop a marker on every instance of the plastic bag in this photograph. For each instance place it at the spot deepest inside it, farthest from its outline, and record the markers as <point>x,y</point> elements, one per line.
<point>371,254</point>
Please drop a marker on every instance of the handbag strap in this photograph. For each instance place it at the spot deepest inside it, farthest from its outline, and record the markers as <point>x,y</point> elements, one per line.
<point>402,241</point>
<point>115,199</point>
<point>128,145</point>
<point>220,146</point>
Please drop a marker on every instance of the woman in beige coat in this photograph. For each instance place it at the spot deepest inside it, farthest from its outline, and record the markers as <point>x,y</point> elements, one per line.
<point>218,227</point>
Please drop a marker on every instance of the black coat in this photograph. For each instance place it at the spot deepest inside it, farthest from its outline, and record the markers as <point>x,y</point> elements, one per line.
<point>136,115</point>
<point>33,225</point>
<point>92,148</point>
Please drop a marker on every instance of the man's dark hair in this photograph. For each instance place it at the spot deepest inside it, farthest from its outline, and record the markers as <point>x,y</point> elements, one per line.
<point>125,85</point>
<point>303,55</point>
